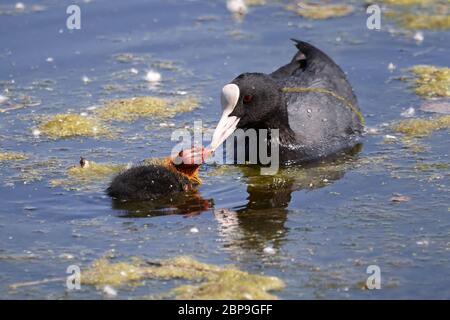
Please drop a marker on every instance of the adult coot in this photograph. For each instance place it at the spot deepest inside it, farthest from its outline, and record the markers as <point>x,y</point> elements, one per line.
<point>309,100</point>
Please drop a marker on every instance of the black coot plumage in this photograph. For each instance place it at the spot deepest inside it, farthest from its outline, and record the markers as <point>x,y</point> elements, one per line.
<point>147,182</point>
<point>309,100</point>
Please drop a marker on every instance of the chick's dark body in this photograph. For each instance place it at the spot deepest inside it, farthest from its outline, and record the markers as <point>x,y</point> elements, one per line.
<point>147,182</point>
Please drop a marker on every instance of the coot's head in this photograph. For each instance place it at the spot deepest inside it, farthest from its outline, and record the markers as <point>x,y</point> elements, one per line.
<point>248,101</point>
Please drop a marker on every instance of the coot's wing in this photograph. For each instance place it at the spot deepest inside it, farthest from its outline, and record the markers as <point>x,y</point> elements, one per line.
<point>311,67</point>
<point>318,97</point>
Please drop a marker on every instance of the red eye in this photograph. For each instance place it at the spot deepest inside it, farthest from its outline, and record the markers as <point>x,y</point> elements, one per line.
<point>247,99</point>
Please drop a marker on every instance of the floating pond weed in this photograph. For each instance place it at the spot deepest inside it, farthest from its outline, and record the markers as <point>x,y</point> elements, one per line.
<point>231,284</point>
<point>320,11</point>
<point>254,3</point>
<point>77,176</point>
<point>431,81</point>
<point>12,156</point>
<point>138,107</point>
<point>421,21</point>
<point>421,127</point>
<point>215,282</point>
<point>406,2</point>
<point>419,14</point>
<point>73,125</point>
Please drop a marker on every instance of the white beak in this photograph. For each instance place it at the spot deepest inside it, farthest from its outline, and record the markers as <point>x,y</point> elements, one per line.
<point>227,124</point>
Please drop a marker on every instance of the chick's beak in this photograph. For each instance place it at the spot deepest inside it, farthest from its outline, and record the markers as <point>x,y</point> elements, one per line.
<point>227,124</point>
<point>194,156</point>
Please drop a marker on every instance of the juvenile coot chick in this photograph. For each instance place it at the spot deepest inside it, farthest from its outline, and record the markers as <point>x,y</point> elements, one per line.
<point>156,178</point>
<point>309,101</point>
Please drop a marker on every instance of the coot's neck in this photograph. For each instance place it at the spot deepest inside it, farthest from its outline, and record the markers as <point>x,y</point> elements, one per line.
<point>280,120</point>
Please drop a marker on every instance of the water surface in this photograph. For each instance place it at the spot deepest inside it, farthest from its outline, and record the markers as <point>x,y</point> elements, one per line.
<point>326,224</point>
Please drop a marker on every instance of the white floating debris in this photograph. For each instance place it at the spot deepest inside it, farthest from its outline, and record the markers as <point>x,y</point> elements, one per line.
<point>66,256</point>
<point>408,113</point>
<point>109,291</point>
<point>418,36</point>
<point>83,114</point>
<point>20,6</point>
<point>163,124</point>
<point>38,8</point>
<point>36,132</point>
<point>91,108</point>
<point>49,59</point>
<point>153,76</point>
<point>389,137</point>
<point>85,79</point>
<point>134,71</point>
<point>392,67</point>
<point>372,131</point>
<point>3,99</point>
<point>237,7</point>
<point>182,93</point>
<point>269,250</point>
<point>194,230</point>
<point>248,296</point>
<point>422,243</point>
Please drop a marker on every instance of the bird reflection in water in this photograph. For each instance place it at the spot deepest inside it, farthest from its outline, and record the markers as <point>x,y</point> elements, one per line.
<point>188,204</point>
<point>261,221</point>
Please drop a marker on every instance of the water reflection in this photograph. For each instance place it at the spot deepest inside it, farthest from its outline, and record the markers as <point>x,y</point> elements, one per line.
<point>261,221</point>
<point>189,204</point>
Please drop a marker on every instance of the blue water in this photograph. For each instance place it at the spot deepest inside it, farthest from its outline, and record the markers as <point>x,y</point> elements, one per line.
<point>325,233</point>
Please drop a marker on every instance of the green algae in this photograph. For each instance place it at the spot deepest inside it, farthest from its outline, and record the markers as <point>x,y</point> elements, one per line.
<point>125,58</point>
<point>78,176</point>
<point>414,21</point>
<point>73,125</point>
<point>320,11</point>
<point>254,3</point>
<point>134,108</point>
<point>12,156</point>
<point>421,127</point>
<point>231,284</point>
<point>165,65</point>
<point>211,282</point>
<point>131,58</point>
<point>431,81</point>
<point>419,14</point>
<point>432,166</point>
<point>406,2</point>
<point>103,272</point>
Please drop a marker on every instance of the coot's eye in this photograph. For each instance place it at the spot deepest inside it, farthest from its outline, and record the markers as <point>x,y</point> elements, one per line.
<point>247,99</point>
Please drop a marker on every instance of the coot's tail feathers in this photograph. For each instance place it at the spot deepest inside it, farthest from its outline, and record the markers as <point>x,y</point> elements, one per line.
<point>308,58</point>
